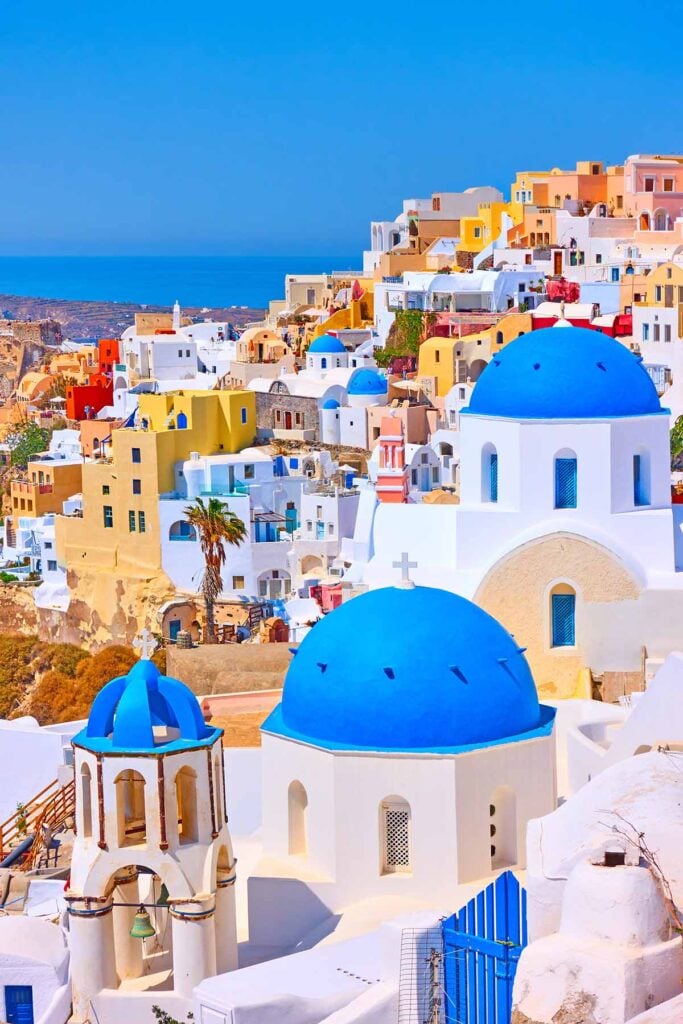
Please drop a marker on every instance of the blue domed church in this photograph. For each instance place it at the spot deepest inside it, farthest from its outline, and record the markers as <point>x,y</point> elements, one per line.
<point>565,529</point>
<point>406,757</point>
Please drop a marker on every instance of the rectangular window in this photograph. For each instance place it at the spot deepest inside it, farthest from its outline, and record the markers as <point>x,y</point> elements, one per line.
<point>108,516</point>
<point>135,455</point>
<point>598,257</point>
<point>655,335</point>
<point>620,202</point>
<point>640,482</point>
<point>649,184</point>
<point>658,293</point>
<point>244,414</point>
<point>330,529</point>
<point>413,477</point>
<point>238,583</point>
<point>187,352</point>
<point>180,353</point>
<point>249,472</point>
<point>142,526</point>
<point>564,619</point>
<point>668,184</point>
<point>680,293</point>
<point>48,545</point>
<point>137,486</point>
<point>477,232</point>
<point>105,488</point>
<point>667,332</point>
<point>437,356</point>
<point>51,565</point>
<point>293,463</point>
<point>565,483</point>
<point>646,332</point>
<point>615,273</point>
<point>131,522</point>
<point>493,477</point>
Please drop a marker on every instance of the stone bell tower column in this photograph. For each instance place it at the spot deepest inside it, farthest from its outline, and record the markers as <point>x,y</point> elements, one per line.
<point>92,953</point>
<point>194,943</point>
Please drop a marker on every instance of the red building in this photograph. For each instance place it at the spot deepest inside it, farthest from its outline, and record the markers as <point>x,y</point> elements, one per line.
<point>84,401</point>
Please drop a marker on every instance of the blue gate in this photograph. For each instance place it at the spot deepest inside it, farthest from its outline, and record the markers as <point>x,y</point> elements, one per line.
<point>19,1004</point>
<point>482,944</point>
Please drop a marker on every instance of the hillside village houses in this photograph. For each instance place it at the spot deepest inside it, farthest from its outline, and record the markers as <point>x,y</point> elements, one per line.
<point>454,469</point>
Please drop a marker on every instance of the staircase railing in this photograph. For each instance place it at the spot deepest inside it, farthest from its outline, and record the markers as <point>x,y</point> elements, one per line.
<point>51,806</point>
<point>56,811</point>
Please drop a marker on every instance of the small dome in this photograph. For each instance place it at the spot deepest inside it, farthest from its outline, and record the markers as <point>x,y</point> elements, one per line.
<point>326,343</point>
<point>368,382</point>
<point>573,373</point>
<point>331,403</point>
<point>415,669</point>
<point>145,711</point>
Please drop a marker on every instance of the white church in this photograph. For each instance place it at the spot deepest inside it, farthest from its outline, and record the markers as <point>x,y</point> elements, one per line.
<point>565,530</point>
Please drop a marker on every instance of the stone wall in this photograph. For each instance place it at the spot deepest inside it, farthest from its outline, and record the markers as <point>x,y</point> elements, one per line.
<point>18,612</point>
<point>267,404</point>
<point>230,668</point>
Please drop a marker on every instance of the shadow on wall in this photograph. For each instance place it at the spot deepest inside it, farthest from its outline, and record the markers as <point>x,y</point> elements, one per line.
<point>286,913</point>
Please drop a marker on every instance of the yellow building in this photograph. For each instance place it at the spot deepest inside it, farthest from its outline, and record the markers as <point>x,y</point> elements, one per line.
<point>78,365</point>
<point>46,487</point>
<point>449,361</point>
<point>120,523</point>
<point>260,345</point>
<point>478,232</point>
<point>658,310</point>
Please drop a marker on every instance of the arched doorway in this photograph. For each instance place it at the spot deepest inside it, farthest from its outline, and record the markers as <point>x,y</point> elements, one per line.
<point>130,808</point>
<point>297,808</point>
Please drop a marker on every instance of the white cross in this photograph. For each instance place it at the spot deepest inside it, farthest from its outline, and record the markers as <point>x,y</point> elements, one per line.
<point>145,644</point>
<point>405,566</point>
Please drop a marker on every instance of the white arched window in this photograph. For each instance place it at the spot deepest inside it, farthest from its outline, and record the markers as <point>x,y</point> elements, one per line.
<point>395,833</point>
<point>86,801</point>
<point>297,807</point>
<point>186,799</point>
<point>130,808</point>
<point>503,828</point>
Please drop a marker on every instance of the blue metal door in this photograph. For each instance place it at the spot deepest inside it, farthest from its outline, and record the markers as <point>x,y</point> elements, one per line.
<point>19,1004</point>
<point>482,944</point>
<point>174,629</point>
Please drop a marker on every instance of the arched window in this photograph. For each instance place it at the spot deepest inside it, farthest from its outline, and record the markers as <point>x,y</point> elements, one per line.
<point>323,363</point>
<point>86,801</point>
<point>565,479</point>
<point>218,791</point>
<point>181,421</point>
<point>499,337</point>
<point>182,530</point>
<point>503,828</point>
<point>563,616</point>
<point>186,799</point>
<point>489,474</point>
<point>130,808</point>
<point>641,479</point>
<point>395,835</point>
<point>297,806</point>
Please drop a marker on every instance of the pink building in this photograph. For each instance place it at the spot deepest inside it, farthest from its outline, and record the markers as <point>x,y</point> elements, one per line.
<point>653,192</point>
<point>392,477</point>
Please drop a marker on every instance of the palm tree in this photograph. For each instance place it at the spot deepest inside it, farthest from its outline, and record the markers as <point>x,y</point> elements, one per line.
<point>216,526</point>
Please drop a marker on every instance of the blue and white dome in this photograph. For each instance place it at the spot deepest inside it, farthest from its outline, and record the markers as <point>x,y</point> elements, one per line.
<point>567,374</point>
<point>326,343</point>
<point>368,382</point>
<point>415,669</point>
<point>331,403</point>
<point>145,712</point>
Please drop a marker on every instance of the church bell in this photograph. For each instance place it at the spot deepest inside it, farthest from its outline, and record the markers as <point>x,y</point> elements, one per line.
<point>142,926</point>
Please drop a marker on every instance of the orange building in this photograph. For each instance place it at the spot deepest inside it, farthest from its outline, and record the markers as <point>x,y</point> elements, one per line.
<point>47,486</point>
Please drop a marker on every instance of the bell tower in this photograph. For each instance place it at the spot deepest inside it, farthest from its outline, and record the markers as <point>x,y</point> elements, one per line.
<point>151,899</point>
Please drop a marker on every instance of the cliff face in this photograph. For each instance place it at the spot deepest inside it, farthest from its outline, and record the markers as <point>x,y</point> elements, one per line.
<point>18,613</point>
<point>105,610</point>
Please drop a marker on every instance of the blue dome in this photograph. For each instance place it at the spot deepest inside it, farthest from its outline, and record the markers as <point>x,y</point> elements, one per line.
<point>326,343</point>
<point>368,382</point>
<point>563,374</point>
<point>331,403</point>
<point>413,669</point>
<point>145,712</point>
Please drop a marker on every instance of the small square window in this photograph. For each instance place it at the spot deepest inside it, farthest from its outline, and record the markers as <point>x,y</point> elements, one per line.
<point>238,583</point>
<point>135,455</point>
<point>105,488</point>
<point>668,184</point>
<point>51,565</point>
<point>137,486</point>
<point>48,545</point>
<point>249,472</point>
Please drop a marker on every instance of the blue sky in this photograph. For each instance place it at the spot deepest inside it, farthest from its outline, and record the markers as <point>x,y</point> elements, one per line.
<point>161,127</point>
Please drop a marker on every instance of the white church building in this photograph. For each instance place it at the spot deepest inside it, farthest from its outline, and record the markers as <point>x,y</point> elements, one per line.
<point>565,530</point>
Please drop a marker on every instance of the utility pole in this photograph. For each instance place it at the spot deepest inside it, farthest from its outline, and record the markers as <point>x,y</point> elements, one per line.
<point>435,957</point>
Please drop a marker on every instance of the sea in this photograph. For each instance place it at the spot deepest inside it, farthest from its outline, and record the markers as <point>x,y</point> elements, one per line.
<point>210,281</point>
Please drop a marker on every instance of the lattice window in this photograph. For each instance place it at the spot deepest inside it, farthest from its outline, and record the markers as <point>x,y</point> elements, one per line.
<point>396,834</point>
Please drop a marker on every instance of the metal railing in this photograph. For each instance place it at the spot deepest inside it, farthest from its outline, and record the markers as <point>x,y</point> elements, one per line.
<point>53,817</point>
<point>23,821</point>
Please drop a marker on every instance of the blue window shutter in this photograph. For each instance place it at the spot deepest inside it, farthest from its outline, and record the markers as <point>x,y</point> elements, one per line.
<point>640,487</point>
<point>564,620</point>
<point>493,476</point>
<point>565,483</point>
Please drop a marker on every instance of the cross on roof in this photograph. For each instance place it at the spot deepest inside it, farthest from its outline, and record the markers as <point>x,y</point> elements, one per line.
<point>145,644</point>
<point>405,566</point>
